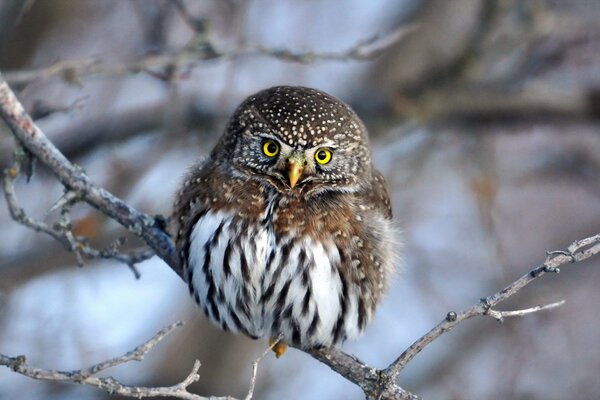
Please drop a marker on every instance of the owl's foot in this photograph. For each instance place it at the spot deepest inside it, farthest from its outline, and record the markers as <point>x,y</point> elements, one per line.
<point>278,346</point>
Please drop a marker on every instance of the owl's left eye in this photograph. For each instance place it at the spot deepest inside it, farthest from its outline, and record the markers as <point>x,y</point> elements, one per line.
<point>323,156</point>
<point>270,148</point>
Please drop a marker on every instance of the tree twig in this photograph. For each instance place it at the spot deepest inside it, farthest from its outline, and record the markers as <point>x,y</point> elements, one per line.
<point>61,231</point>
<point>74,179</point>
<point>111,385</point>
<point>186,57</point>
<point>255,368</point>
<point>500,315</point>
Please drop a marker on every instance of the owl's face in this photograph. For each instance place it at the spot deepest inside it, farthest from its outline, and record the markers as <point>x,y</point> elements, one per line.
<point>297,139</point>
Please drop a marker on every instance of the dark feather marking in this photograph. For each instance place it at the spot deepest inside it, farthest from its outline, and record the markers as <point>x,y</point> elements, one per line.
<point>215,236</point>
<point>305,277</point>
<point>268,293</point>
<point>220,295</point>
<point>242,306</point>
<point>343,258</point>
<point>283,294</point>
<point>244,267</point>
<point>224,325</point>
<point>269,214</point>
<point>306,300</point>
<point>362,313</point>
<point>338,330</point>
<point>275,327</point>
<point>287,313</point>
<point>212,289</point>
<point>314,324</point>
<point>270,259</point>
<point>235,319</point>
<point>226,255</point>
<point>296,339</point>
<point>285,254</point>
<point>208,276</point>
<point>215,311</point>
<point>188,233</point>
<point>301,257</point>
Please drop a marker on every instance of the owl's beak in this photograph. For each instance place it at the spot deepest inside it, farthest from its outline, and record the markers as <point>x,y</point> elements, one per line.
<point>295,168</point>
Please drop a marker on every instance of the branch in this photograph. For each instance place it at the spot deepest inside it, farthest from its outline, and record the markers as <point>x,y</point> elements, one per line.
<point>500,315</point>
<point>578,251</point>
<point>109,384</point>
<point>29,135</point>
<point>61,231</point>
<point>187,57</point>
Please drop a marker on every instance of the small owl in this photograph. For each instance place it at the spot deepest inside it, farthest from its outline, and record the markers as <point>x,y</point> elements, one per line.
<point>285,231</point>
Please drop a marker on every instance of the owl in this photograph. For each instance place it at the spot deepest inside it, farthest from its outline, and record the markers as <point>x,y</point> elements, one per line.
<point>285,231</point>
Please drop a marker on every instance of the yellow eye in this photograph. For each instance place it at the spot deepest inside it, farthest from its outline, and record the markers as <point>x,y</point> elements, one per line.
<point>323,156</point>
<point>270,148</point>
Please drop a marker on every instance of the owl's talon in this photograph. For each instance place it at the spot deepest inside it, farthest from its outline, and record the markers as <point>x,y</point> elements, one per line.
<point>277,346</point>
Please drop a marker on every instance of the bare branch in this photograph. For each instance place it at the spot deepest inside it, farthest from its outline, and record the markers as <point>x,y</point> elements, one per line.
<point>111,385</point>
<point>87,376</point>
<point>369,379</point>
<point>61,231</point>
<point>500,315</point>
<point>185,58</point>
<point>136,354</point>
<point>578,251</point>
<point>75,180</point>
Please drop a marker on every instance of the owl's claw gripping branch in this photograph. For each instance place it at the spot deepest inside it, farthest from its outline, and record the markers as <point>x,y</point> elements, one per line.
<point>278,346</point>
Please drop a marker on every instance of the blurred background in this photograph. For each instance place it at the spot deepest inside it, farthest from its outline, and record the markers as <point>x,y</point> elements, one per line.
<point>484,120</point>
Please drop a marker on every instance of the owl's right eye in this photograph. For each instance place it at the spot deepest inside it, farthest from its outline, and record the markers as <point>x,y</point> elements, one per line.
<point>270,148</point>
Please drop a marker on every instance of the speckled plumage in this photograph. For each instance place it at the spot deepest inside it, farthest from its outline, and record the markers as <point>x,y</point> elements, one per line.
<point>266,256</point>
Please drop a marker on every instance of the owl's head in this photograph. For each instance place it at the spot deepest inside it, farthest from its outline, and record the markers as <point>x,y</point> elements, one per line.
<point>297,139</point>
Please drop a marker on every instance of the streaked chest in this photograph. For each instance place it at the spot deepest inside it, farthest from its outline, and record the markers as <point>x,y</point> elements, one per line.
<point>250,277</point>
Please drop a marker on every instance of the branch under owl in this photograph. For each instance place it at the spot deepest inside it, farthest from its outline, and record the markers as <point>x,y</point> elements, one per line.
<point>376,383</point>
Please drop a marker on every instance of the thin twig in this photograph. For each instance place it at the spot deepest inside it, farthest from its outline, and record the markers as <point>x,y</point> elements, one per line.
<point>62,230</point>
<point>29,135</point>
<point>255,367</point>
<point>500,315</point>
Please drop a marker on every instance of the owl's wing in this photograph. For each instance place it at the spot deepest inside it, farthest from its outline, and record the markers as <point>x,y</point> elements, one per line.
<point>379,194</point>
